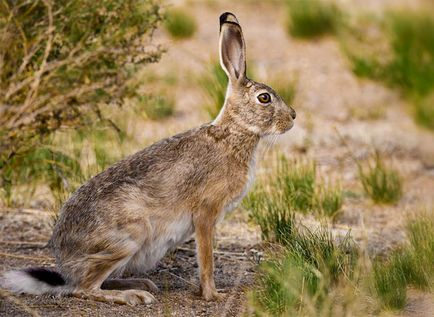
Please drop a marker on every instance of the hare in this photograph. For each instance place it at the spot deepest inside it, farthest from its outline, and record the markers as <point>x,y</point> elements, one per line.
<point>126,218</point>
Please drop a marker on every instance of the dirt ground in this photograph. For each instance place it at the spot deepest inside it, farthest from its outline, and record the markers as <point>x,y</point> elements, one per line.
<point>326,98</point>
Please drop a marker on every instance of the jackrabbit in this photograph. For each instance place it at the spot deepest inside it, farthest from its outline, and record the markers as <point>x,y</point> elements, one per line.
<point>127,217</point>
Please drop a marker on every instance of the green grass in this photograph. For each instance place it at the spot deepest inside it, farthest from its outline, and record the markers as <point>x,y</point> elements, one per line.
<point>330,200</point>
<point>310,273</point>
<point>271,212</point>
<point>409,66</point>
<point>301,278</point>
<point>155,107</point>
<point>312,18</point>
<point>383,184</point>
<point>180,24</point>
<point>26,170</point>
<point>411,265</point>
<point>294,187</point>
<point>297,180</point>
<point>389,282</point>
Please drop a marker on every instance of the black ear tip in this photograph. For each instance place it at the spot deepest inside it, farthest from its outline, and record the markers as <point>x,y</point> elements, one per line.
<point>228,17</point>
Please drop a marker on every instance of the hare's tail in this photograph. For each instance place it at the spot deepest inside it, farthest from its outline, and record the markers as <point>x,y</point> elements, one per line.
<point>35,280</point>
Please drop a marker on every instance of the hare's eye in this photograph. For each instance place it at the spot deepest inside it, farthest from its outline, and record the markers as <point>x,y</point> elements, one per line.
<point>264,98</point>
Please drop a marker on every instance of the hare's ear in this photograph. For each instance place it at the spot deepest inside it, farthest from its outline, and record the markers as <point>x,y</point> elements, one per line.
<point>232,48</point>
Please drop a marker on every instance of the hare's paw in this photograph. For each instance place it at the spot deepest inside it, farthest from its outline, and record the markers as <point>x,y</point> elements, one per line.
<point>125,284</point>
<point>137,297</point>
<point>128,297</point>
<point>211,295</point>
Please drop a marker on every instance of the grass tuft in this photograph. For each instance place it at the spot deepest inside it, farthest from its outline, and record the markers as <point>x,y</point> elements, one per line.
<point>294,188</point>
<point>411,265</point>
<point>300,279</point>
<point>180,24</point>
<point>155,107</point>
<point>297,181</point>
<point>330,200</point>
<point>383,184</point>
<point>312,18</point>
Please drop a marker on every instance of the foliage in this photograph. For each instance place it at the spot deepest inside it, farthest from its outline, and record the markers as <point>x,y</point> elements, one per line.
<point>297,181</point>
<point>330,200</point>
<point>180,24</point>
<point>410,66</point>
<point>380,182</point>
<point>60,60</point>
<point>312,18</point>
<point>44,163</point>
<point>294,187</point>
<point>301,279</point>
<point>409,265</point>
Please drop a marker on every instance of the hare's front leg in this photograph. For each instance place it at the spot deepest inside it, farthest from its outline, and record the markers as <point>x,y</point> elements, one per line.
<point>204,231</point>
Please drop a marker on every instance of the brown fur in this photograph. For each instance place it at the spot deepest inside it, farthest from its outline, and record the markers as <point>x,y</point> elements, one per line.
<point>125,218</point>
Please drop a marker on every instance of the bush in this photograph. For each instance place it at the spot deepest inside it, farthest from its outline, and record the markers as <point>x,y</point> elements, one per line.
<point>383,184</point>
<point>180,24</point>
<point>312,18</point>
<point>62,59</point>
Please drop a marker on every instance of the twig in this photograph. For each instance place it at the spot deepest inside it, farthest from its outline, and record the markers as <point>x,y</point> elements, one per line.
<point>184,280</point>
<point>37,80</point>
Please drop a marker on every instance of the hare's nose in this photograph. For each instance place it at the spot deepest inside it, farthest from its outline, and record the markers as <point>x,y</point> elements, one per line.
<point>293,114</point>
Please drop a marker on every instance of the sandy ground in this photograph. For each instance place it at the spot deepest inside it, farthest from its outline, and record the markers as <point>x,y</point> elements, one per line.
<point>327,96</point>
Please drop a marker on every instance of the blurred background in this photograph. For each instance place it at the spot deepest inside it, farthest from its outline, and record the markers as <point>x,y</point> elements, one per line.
<point>86,83</point>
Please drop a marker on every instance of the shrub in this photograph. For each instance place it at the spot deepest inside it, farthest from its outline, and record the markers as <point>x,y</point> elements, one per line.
<point>383,184</point>
<point>180,24</point>
<point>312,18</point>
<point>39,164</point>
<point>60,60</point>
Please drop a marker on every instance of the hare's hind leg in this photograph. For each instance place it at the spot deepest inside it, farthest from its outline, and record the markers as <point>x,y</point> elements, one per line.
<point>89,272</point>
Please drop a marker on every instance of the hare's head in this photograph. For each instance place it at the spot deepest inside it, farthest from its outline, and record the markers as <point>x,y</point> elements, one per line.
<point>249,105</point>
